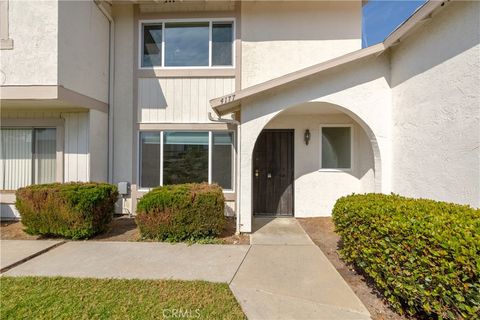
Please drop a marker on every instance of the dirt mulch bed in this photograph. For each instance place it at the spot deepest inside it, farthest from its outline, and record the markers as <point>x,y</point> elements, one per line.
<point>321,231</point>
<point>13,230</point>
<point>122,228</point>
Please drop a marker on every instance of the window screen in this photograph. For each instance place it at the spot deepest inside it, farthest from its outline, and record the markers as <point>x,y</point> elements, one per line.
<point>222,39</point>
<point>152,45</point>
<point>222,159</point>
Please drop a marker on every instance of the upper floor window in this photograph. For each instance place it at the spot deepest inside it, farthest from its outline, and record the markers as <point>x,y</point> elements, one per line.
<point>187,44</point>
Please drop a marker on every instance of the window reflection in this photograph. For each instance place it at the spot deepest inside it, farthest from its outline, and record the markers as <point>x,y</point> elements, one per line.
<point>186,44</point>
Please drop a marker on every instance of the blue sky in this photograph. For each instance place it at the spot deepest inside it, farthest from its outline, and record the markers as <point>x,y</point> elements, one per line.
<point>380,17</point>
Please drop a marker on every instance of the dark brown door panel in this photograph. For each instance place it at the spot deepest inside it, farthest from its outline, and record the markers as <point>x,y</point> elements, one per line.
<point>273,173</point>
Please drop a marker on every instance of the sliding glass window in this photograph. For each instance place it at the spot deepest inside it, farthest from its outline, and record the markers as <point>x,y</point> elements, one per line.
<point>174,157</point>
<point>27,156</point>
<point>187,44</point>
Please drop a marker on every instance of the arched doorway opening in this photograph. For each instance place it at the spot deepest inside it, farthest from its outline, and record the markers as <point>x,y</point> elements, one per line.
<point>308,156</point>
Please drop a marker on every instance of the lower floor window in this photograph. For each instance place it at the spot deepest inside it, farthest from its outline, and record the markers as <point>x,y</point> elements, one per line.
<point>173,157</point>
<point>336,147</point>
<point>185,157</point>
<point>28,156</point>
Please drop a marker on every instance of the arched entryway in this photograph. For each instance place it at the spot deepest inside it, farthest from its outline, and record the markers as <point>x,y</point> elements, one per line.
<point>309,155</point>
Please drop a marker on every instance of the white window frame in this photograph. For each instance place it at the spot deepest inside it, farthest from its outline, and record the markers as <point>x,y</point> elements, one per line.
<point>351,147</point>
<point>141,23</point>
<point>210,145</point>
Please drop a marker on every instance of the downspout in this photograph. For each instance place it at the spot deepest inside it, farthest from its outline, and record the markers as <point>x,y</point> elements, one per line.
<point>237,169</point>
<point>111,68</point>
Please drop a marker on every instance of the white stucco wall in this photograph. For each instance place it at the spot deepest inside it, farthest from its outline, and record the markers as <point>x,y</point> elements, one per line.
<point>359,89</point>
<point>279,37</point>
<point>316,191</point>
<point>33,60</point>
<point>83,48</point>
<point>436,108</point>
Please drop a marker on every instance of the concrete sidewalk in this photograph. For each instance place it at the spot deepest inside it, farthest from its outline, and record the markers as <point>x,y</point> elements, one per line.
<point>281,275</point>
<point>137,260</point>
<point>13,252</point>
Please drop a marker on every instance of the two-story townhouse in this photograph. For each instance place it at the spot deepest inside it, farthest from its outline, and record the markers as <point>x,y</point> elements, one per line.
<point>54,94</point>
<point>276,101</point>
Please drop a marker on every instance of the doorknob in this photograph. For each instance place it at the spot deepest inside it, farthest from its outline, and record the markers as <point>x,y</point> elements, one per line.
<point>256,172</point>
<point>269,175</point>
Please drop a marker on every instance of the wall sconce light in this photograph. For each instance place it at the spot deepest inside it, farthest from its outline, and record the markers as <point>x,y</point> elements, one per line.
<point>307,136</point>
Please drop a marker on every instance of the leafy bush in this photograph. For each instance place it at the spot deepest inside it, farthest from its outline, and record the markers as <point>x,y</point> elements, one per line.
<point>72,210</point>
<point>422,254</point>
<point>181,212</point>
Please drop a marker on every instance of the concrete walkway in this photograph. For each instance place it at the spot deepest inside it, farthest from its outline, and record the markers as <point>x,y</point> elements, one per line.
<point>286,276</point>
<point>281,275</point>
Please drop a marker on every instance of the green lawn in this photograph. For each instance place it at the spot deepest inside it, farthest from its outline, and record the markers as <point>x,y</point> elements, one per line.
<point>72,298</point>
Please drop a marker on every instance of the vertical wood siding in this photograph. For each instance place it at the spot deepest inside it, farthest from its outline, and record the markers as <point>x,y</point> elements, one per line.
<point>180,100</point>
<point>76,157</point>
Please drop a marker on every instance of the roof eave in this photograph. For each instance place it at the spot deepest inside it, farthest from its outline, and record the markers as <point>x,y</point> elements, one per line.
<point>230,103</point>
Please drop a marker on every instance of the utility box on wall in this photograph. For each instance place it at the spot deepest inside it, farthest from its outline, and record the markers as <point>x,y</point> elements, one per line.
<point>123,188</point>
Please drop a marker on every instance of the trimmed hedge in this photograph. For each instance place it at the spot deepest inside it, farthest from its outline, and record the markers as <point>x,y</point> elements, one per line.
<point>422,254</point>
<point>72,210</point>
<point>181,212</point>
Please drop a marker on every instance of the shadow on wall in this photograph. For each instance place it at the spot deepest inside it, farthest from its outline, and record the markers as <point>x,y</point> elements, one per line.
<point>311,116</point>
<point>454,30</point>
<point>150,92</point>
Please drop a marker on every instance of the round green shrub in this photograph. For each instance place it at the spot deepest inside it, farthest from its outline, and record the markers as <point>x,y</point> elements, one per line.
<point>73,210</point>
<point>422,254</point>
<point>181,212</point>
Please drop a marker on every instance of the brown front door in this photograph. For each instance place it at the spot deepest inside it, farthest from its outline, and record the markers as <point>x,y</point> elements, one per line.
<point>273,173</point>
